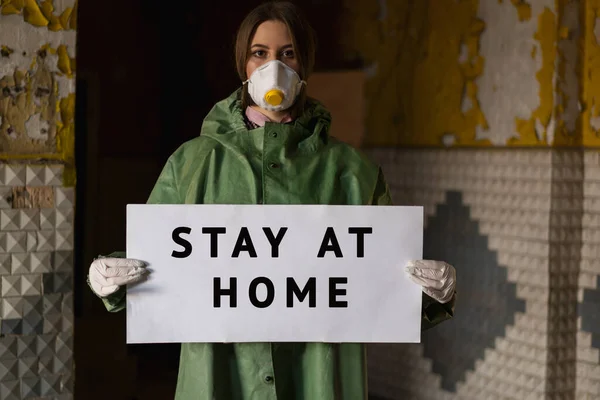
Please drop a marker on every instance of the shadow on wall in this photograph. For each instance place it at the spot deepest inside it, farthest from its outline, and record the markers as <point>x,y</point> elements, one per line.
<point>486,302</point>
<point>589,311</point>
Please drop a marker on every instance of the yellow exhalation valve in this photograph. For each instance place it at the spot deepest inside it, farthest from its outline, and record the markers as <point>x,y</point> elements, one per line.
<point>274,97</point>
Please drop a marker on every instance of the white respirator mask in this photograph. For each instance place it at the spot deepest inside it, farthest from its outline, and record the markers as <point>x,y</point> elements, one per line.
<point>274,86</point>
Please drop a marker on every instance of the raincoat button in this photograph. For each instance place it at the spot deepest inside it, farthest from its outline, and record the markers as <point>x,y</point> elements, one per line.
<point>273,165</point>
<point>274,134</point>
<point>269,379</point>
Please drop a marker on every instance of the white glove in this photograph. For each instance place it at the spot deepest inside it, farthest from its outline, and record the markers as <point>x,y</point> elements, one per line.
<point>437,278</point>
<point>106,275</point>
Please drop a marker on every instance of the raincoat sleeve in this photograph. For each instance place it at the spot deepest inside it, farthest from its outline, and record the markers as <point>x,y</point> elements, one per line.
<point>164,192</point>
<point>432,312</point>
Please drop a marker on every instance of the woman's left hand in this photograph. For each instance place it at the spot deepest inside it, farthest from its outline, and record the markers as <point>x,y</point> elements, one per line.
<point>437,278</point>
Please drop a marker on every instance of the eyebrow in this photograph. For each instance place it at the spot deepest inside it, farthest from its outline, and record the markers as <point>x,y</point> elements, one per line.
<point>262,46</point>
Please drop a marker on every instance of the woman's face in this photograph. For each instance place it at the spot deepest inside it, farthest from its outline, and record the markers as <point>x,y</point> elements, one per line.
<point>271,41</point>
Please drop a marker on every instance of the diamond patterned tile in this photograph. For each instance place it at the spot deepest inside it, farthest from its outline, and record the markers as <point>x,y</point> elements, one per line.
<point>67,384</point>
<point>11,286</point>
<point>64,346</point>
<point>58,282</point>
<point>45,366</point>
<point>27,346</point>
<point>34,175</point>
<point>12,307</point>
<point>9,220</point>
<point>47,218</point>
<point>41,262</point>
<point>8,370</point>
<point>52,323</point>
<point>33,324</point>
<point>28,367</point>
<point>30,387</point>
<point>45,347</point>
<point>32,241</point>
<point>8,348</point>
<point>62,260</point>
<point>65,218</point>
<point>20,263</point>
<point>31,285</point>
<point>12,175</point>
<point>48,282</point>
<point>67,303</point>
<point>29,219</point>
<point>52,303</point>
<point>46,240</point>
<point>51,385</point>
<point>64,239</point>
<point>32,305</point>
<point>65,197</point>
<point>5,197</point>
<point>68,322</point>
<point>53,175</point>
<point>10,390</point>
<point>63,282</point>
<point>15,242</point>
<point>11,327</point>
<point>5,264</point>
<point>64,396</point>
<point>62,365</point>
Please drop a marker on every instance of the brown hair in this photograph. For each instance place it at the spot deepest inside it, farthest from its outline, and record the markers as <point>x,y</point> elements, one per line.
<point>303,40</point>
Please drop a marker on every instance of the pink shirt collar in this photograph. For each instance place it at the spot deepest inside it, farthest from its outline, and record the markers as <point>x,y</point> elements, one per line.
<point>260,119</point>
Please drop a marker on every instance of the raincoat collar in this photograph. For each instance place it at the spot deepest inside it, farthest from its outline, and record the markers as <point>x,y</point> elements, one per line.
<point>227,117</point>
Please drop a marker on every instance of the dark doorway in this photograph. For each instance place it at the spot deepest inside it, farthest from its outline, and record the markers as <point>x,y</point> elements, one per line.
<point>148,72</point>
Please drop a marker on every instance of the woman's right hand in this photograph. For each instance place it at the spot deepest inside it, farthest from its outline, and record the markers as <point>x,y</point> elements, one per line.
<point>107,275</point>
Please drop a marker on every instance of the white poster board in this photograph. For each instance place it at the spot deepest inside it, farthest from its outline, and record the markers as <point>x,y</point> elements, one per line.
<point>346,264</point>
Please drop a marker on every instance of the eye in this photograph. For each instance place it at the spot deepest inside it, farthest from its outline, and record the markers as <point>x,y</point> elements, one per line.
<point>288,53</point>
<point>259,53</point>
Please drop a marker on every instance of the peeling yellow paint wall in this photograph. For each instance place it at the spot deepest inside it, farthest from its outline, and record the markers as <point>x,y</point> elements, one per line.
<point>418,76</point>
<point>469,73</point>
<point>523,8</point>
<point>527,133</point>
<point>41,14</point>
<point>37,81</point>
<point>590,80</point>
<point>444,92</point>
<point>567,110</point>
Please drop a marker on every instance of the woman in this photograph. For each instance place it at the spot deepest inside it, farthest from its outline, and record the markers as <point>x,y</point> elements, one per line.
<point>268,144</point>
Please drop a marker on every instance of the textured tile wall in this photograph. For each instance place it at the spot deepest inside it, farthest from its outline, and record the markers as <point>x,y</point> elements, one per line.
<point>522,228</point>
<point>36,289</point>
<point>588,295</point>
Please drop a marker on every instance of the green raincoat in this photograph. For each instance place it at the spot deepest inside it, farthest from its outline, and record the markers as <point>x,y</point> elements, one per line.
<point>294,163</point>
